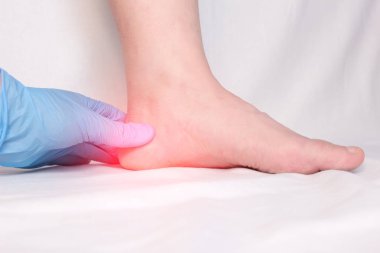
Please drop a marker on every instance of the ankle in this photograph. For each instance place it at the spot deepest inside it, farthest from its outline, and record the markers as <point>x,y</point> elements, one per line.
<point>169,85</point>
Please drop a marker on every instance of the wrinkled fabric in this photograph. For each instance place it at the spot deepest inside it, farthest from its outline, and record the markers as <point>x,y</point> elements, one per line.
<point>96,208</point>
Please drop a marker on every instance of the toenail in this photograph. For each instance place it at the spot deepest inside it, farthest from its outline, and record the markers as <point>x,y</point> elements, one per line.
<point>352,149</point>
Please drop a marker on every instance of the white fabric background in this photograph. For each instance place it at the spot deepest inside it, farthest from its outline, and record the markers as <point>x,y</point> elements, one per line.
<point>312,65</point>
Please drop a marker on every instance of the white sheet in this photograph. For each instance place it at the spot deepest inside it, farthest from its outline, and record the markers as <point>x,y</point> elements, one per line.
<point>96,208</point>
<point>312,65</point>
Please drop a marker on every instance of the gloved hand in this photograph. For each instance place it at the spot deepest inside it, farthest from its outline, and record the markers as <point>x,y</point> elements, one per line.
<point>49,126</point>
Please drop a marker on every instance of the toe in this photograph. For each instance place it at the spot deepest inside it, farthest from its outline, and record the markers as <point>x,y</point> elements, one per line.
<point>327,156</point>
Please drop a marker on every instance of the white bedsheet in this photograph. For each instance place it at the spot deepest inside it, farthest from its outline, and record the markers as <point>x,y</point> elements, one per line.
<point>96,208</point>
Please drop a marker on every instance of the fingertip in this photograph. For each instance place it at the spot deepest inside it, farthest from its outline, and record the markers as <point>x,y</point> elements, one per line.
<point>142,134</point>
<point>119,116</point>
<point>104,109</point>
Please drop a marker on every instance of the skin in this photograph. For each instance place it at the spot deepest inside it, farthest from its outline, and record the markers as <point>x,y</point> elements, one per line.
<point>199,123</point>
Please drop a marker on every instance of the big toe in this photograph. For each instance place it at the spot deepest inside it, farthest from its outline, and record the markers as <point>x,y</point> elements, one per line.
<point>330,156</point>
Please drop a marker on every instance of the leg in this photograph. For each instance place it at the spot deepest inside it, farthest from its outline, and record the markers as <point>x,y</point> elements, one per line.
<point>199,123</point>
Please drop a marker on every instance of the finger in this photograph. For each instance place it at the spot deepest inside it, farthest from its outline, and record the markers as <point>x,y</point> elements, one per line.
<point>70,160</point>
<point>104,109</point>
<point>99,107</point>
<point>110,150</point>
<point>91,152</point>
<point>117,134</point>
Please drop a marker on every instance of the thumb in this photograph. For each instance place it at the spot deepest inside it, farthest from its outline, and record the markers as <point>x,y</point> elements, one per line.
<point>70,160</point>
<point>119,134</point>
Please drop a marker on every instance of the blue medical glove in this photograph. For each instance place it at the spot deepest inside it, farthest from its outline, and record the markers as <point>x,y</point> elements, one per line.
<point>49,126</point>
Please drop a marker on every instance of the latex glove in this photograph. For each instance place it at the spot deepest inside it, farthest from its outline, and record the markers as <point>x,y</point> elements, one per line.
<point>49,126</point>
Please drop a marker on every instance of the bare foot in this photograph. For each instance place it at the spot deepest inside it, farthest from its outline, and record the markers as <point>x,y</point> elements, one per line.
<point>198,123</point>
<point>207,126</point>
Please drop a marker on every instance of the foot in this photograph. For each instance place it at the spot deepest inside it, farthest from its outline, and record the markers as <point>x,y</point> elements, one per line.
<point>204,125</point>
